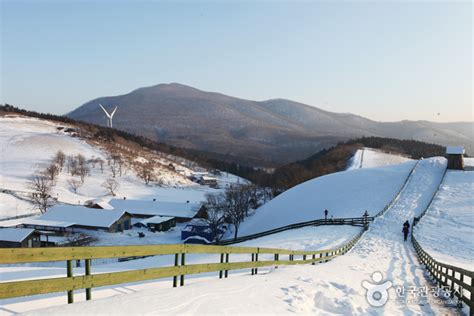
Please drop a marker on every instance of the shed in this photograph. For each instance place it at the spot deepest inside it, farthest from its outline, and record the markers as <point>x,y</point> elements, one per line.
<point>19,238</point>
<point>158,223</point>
<point>455,158</point>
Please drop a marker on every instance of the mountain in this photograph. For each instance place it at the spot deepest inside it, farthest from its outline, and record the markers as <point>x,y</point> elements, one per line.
<point>265,133</point>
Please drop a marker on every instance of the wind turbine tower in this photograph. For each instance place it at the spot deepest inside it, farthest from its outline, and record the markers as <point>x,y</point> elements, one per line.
<point>109,116</point>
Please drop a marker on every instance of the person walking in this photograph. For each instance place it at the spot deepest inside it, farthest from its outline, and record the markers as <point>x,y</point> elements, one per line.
<point>405,230</point>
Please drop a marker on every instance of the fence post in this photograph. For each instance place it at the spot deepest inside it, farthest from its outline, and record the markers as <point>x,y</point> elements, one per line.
<point>176,263</point>
<point>222,261</point>
<point>256,260</point>
<point>304,257</point>
<point>70,294</point>
<point>314,257</point>
<point>183,262</point>
<point>276,259</point>
<point>226,272</point>
<point>88,272</point>
<point>253,259</point>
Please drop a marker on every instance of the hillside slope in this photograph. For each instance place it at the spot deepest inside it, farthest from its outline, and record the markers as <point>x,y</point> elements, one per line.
<point>270,132</point>
<point>29,144</point>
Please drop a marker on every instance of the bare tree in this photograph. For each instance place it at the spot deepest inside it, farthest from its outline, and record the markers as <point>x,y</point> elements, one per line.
<point>82,168</point>
<point>101,164</point>
<point>59,159</point>
<point>42,189</point>
<point>51,171</point>
<point>74,184</point>
<point>236,205</point>
<point>111,186</point>
<point>71,165</point>
<point>215,218</point>
<point>146,172</point>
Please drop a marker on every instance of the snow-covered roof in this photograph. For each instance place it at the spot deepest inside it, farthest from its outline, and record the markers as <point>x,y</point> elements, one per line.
<point>47,223</point>
<point>15,234</point>
<point>156,220</point>
<point>83,216</point>
<point>455,150</point>
<point>207,178</point>
<point>143,207</point>
<point>100,202</point>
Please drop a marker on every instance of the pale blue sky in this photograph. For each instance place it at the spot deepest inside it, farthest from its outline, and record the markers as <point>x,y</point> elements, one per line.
<point>382,60</point>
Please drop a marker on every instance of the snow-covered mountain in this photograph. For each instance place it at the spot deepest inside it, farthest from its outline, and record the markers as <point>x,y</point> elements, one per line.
<point>271,132</point>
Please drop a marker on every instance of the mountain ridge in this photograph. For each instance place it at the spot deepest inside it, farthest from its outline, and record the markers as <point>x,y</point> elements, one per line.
<point>267,133</point>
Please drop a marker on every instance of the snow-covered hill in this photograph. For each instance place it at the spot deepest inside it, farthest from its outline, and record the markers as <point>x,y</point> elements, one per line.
<point>29,144</point>
<point>343,194</point>
<point>369,158</point>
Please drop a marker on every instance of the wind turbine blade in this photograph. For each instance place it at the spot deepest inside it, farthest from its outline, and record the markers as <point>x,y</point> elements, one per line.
<point>113,112</point>
<point>105,111</point>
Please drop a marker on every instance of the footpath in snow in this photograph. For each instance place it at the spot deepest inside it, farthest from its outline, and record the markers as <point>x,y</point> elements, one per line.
<point>330,288</point>
<point>445,231</point>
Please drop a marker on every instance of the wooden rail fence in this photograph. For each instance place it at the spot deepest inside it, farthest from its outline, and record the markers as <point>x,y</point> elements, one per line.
<point>459,281</point>
<point>178,271</point>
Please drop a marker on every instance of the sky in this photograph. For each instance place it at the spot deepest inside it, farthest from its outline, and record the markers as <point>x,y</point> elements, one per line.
<point>386,61</point>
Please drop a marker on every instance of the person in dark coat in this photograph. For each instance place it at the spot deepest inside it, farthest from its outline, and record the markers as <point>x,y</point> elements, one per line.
<point>405,230</point>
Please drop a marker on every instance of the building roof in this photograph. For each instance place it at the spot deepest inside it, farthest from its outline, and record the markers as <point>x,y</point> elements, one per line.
<point>156,220</point>
<point>46,223</point>
<point>100,202</point>
<point>15,234</point>
<point>152,208</point>
<point>455,150</point>
<point>207,178</point>
<point>82,216</point>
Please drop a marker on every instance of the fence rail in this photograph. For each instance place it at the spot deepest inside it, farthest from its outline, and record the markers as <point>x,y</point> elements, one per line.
<point>177,271</point>
<point>459,281</point>
<point>354,221</point>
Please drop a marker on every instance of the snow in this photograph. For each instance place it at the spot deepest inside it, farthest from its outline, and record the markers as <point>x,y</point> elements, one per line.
<point>142,207</point>
<point>370,158</point>
<point>344,194</point>
<point>455,150</point>
<point>329,288</point>
<point>83,216</point>
<point>14,234</point>
<point>445,231</point>
<point>322,237</point>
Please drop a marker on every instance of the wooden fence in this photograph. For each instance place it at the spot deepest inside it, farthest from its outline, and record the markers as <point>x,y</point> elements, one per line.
<point>458,281</point>
<point>354,221</point>
<point>178,271</point>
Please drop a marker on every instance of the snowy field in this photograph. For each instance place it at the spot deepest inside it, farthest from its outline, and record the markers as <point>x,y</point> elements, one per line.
<point>369,158</point>
<point>343,194</point>
<point>323,237</point>
<point>29,144</point>
<point>446,230</point>
<point>328,288</point>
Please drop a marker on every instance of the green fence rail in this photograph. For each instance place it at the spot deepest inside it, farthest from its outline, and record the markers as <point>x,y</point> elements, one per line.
<point>178,271</point>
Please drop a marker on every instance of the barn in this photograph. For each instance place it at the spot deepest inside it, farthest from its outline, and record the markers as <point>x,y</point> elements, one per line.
<point>455,155</point>
<point>19,238</point>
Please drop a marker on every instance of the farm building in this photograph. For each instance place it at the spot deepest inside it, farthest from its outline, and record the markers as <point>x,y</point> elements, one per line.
<point>98,204</point>
<point>455,157</point>
<point>88,218</point>
<point>182,211</point>
<point>210,181</point>
<point>157,223</point>
<point>19,238</point>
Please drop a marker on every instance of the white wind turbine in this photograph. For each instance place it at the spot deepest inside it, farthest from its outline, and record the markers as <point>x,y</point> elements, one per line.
<point>109,116</point>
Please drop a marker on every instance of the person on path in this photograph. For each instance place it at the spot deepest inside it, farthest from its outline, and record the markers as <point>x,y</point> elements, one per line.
<point>405,230</point>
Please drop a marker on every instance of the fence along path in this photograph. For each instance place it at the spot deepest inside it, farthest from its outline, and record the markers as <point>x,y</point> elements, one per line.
<point>177,271</point>
<point>458,281</point>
